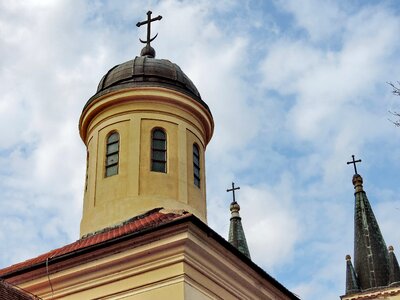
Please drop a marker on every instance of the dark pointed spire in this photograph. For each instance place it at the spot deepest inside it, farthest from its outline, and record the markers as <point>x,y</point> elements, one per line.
<point>394,269</point>
<point>352,285</point>
<point>236,232</point>
<point>371,258</point>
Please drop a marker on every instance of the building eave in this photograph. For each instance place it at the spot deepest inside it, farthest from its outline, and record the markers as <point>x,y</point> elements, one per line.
<point>105,247</point>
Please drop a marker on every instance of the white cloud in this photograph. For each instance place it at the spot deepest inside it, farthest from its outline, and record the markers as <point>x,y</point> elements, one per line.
<point>321,20</point>
<point>291,102</point>
<point>270,223</point>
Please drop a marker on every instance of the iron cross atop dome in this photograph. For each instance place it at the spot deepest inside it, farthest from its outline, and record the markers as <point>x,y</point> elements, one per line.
<point>354,163</point>
<point>233,189</point>
<point>148,51</point>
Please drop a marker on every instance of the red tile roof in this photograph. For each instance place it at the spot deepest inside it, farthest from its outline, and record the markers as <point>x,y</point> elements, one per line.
<point>10,292</point>
<point>151,219</point>
<point>140,224</point>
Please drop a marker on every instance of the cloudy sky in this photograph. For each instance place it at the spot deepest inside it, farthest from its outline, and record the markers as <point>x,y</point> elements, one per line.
<point>295,88</point>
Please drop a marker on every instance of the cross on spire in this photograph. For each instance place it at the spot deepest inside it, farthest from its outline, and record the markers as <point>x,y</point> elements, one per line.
<point>354,163</point>
<point>148,22</point>
<point>233,189</point>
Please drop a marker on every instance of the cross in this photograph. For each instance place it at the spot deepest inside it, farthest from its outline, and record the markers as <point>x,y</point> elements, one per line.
<point>233,191</point>
<point>354,163</point>
<point>148,22</point>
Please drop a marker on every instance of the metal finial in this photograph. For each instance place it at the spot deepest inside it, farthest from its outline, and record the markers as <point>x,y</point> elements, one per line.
<point>354,163</point>
<point>233,189</point>
<point>148,50</point>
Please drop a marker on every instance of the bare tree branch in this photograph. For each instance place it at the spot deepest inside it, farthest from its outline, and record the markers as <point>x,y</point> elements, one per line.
<point>396,89</point>
<point>396,92</point>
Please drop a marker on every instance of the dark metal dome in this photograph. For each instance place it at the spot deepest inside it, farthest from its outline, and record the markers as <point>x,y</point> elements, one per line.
<point>147,72</point>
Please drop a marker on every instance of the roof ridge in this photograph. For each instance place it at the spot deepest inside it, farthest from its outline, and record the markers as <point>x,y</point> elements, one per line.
<point>150,219</point>
<point>106,229</point>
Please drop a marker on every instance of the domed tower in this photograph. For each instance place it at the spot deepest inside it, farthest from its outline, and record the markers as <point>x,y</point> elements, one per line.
<point>146,130</point>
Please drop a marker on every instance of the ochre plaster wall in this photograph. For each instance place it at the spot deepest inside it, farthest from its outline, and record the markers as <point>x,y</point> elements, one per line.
<point>136,189</point>
<point>157,185</point>
<point>193,293</point>
<point>195,194</point>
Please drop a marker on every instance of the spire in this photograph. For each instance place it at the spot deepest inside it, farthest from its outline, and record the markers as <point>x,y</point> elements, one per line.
<point>352,285</point>
<point>394,270</point>
<point>371,259</point>
<point>236,232</point>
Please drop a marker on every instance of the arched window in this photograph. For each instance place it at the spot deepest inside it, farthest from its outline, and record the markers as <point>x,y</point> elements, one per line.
<point>196,165</point>
<point>158,151</point>
<point>112,154</point>
<point>87,170</point>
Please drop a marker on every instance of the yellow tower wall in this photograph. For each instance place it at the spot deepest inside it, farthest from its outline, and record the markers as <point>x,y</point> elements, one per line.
<point>136,189</point>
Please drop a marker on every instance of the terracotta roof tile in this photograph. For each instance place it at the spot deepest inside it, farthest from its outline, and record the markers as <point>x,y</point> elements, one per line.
<point>151,219</point>
<point>10,292</point>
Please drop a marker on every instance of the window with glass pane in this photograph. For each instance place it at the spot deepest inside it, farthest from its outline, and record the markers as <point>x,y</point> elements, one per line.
<point>158,151</point>
<point>87,170</point>
<point>112,154</point>
<point>196,165</point>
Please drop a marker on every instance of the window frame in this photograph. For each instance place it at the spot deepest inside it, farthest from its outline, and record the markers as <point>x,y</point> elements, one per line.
<point>158,164</point>
<point>107,164</point>
<point>196,166</point>
<point>87,170</point>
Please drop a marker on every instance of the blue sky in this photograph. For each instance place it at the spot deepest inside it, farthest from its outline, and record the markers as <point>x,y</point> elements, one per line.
<point>295,88</point>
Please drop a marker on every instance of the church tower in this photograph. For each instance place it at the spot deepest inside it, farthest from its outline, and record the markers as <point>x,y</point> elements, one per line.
<point>146,130</point>
<point>376,270</point>
<point>143,230</point>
